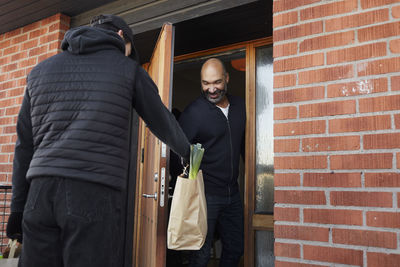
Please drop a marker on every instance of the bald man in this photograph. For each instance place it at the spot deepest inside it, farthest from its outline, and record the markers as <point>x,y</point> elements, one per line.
<point>217,120</point>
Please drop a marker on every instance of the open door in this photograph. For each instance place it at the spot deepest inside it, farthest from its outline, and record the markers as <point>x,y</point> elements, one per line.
<point>152,173</point>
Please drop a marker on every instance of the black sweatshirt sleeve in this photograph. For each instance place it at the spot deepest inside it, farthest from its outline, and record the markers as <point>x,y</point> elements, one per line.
<point>22,156</point>
<point>158,118</point>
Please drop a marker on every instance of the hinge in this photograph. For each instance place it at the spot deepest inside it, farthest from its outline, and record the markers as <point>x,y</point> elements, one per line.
<point>142,160</point>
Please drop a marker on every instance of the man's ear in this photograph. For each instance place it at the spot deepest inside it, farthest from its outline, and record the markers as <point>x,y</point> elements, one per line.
<point>227,77</point>
<point>121,33</point>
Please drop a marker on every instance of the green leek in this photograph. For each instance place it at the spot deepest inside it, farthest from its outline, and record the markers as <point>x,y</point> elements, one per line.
<point>196,155</point>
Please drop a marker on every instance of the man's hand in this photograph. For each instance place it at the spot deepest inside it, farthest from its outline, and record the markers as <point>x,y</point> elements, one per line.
<point>14,226</point>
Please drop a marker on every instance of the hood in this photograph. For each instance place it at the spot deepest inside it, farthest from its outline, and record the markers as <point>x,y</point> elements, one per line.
<point>85,39</point>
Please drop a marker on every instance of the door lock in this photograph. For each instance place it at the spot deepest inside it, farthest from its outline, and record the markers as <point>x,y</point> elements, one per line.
<point>150,196</point>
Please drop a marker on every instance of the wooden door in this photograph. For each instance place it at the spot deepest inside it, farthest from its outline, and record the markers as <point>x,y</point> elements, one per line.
<point>152,172</point>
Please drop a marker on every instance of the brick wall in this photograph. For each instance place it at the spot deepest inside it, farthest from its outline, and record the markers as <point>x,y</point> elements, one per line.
<point>20,51</point>
<point>337,132</point>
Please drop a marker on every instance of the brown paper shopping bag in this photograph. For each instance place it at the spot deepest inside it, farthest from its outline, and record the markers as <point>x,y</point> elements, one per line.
<point>187,227</point>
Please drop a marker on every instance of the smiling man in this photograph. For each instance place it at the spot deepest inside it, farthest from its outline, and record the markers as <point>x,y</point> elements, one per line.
<point>217,121</point>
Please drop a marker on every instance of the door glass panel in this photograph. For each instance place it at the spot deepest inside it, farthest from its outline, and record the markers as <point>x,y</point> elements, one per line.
<point>264,131</point>
<point>264,249</point>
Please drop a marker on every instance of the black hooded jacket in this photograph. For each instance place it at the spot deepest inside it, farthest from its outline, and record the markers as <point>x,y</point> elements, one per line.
<point>74,119</point>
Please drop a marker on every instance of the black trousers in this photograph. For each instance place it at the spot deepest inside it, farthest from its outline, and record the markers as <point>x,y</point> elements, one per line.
<point>224,214</point>
<point>71,223</point>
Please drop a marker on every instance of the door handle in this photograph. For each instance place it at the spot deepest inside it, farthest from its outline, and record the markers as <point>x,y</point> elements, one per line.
<point>150,196</point>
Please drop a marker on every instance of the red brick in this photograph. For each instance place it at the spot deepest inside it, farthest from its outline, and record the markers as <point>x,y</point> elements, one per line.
<point>375,3</point>
<point>285,19</point>
<point>19,56</point>
<point>298,31</point>
<point>363,199</point>
<point>295,264</point>
<point>300,197</point>
<point>357,53</point>
<point>5,43</point>
<point>37,51</point>
<point>327,109</point>
<point>327,41</point>
<point>398,200</point>
<point>5,60</point>
<point>12,33</point>
<point>54,18</point>
<point>397,121</point>
<point>17,74</point>
<point>7,85</point>
<point>382,141</point>
<point>382,103</point>
<point>5,167</point>
<point>395,46</point>
<point>286,179</point>
<point>298,95</point>
<point>6,120</point>
<point>299,62</point>
<point>333,216</point>
<point>58,27</point>
<point>11,50</point>
<point>357,20</point>
<point>332,179</point>
<point>396,11</point>
<point>383,219</point>
<point>7,102</point>
<point>22,82</point>
<point>379,32</point>
<point>365,238</point>
<point>299,128</point>
<point>286,214</point>
<point>55,45</point>
<point>37,33</point>
<point>19,39</point>
<point>27,62</point>
<point>335,255</point>
<point>284,113</point>
<point>361,161</point>
<point>284,80</point>
<point>9,130</point>
<point>328,9</point>
<point>29,44</point>
<point>379,66</point>
<point>12,111</point>
<point>395,81</point>
<point>9,67</point>
<point>282,5</point>
<point>369,123</point>
<point>301,232</point>
<point>331,143</point>
<point>300,162</point>
<point>286,250</point>
<point>7,148</point>
<point>282,50</point>
<point>49,38</point>
<point>16,92</point>
<point>5,139</point>
<point>361,87</point>
<point>327,74</point>
<point>286,145</point>
<point>376,259</point>
<point>46,56</point>
<point>398,160</point>
<point>31,27</point>
<point>387,179</point>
